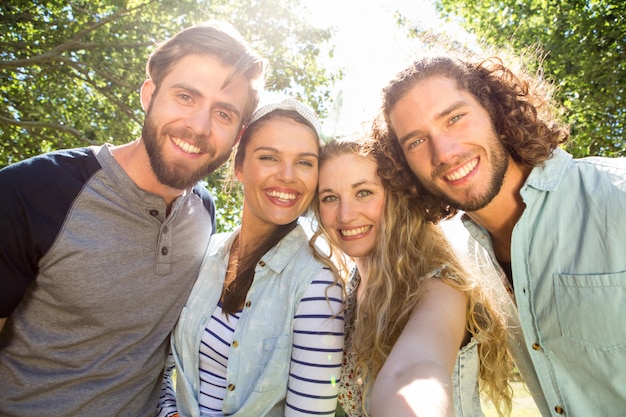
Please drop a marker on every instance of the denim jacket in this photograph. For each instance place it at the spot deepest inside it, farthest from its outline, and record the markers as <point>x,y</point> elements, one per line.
<point>255,387</point>
<point>568,257</point>
<point>466,397</point>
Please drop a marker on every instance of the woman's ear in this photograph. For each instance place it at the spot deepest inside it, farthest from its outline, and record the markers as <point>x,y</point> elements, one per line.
<point>238,174</point>
<point>146,92</point>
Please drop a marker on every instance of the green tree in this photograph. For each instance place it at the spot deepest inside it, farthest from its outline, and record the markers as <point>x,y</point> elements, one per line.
<point>70,71</point>
<point>584,48</point>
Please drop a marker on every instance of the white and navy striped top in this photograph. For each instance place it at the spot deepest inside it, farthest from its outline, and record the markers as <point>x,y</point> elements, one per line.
<point>312,389</point>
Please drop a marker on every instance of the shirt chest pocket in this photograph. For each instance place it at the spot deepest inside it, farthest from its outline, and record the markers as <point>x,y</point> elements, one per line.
<point>273,361</point>
<point>591,309</point>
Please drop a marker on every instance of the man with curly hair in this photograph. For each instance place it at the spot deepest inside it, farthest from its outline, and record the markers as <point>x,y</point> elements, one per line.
<point>481,138</point>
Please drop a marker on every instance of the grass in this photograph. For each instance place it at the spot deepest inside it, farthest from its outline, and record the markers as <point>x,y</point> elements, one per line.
<point>523,403</point>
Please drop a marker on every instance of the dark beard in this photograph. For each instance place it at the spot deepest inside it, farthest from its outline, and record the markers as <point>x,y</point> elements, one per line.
<point>176,176</point>
<point>500,156</point>
<point>500,166</point>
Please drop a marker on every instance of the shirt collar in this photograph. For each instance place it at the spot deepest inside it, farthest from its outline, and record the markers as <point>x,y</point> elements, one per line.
<point>548,175</point>
<point>545,177</point>
<point>283,252</point>
<point>278,257</point>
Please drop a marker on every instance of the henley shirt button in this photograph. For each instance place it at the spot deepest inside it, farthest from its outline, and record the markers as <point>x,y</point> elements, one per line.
<point>164,251</point>
<point>154,212</point>
<point>248,303</point>
<point>262,263</point>
<point>558,409</point>
<point>165,230</point>
<point>536,346</point>
<point>231,387</point>
<point>235,343</point>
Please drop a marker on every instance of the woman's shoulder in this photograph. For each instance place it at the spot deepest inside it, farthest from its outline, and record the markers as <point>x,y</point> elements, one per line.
<point>219,243</point>
<point>296,244</point>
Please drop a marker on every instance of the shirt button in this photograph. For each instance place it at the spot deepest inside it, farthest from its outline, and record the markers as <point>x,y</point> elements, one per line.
<point>165,230</point>
<point>536,346</point>
<point>262,263</point>
<point>164,251</point>
<point>154,212</point>
<point>235,343</point>
<point>231,387</point>
<point>559,410</point>
<point>248,303</point>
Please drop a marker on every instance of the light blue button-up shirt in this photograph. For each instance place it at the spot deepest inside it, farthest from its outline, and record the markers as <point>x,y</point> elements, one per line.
<point>258,366</point>
<point>568,257</point>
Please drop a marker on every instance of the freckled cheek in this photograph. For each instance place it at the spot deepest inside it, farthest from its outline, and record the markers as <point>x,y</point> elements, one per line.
<point>326,217</point>
<point>378,215</point>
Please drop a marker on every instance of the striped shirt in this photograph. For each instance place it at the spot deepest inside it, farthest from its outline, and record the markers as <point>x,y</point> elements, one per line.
<point>314,363</point>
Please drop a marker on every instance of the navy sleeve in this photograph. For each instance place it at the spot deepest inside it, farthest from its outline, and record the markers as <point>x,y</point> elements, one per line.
<point>36,196</point>
<point>208,201</point>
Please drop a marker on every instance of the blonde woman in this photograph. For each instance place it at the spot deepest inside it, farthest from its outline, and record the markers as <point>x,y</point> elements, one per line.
<point>413,313</point>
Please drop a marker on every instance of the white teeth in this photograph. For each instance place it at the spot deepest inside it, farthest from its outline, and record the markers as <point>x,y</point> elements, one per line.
<point>282,196</point>
<point>186,147</point>
<point>354,232</point>
<point>463,171</point>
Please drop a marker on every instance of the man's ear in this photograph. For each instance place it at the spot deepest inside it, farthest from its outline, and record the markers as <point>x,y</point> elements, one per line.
<point>146,92</point>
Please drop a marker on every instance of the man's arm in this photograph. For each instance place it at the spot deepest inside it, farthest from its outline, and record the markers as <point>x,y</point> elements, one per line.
<point>2,321</point>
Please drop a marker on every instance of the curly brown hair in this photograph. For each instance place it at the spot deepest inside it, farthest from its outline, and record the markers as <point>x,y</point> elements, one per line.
<point>520,106</point>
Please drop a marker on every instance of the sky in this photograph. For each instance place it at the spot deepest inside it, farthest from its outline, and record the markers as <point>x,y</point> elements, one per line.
<point>372,49</point>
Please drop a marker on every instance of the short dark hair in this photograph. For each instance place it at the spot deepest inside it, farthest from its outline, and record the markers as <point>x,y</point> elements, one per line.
<point>216,38</point>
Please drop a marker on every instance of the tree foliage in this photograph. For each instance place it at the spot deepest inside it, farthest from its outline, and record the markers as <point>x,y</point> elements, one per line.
<point>70,72</point>
<point>583,43</point>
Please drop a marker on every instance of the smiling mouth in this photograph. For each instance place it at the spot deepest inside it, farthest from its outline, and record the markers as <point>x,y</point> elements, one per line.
<point>354,232</point>
<point>283,197</point>
<point>462,172</point>
<point>186,147</point>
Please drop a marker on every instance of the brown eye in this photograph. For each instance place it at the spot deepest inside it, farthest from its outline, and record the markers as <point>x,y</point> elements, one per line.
<point>223,115</point>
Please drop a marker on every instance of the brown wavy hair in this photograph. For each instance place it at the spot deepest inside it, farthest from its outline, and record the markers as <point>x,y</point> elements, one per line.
<point>409,251</point>
<point>521,108</point>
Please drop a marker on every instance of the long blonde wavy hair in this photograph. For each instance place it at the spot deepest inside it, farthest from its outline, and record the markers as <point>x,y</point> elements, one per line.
<point>408,251</point>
